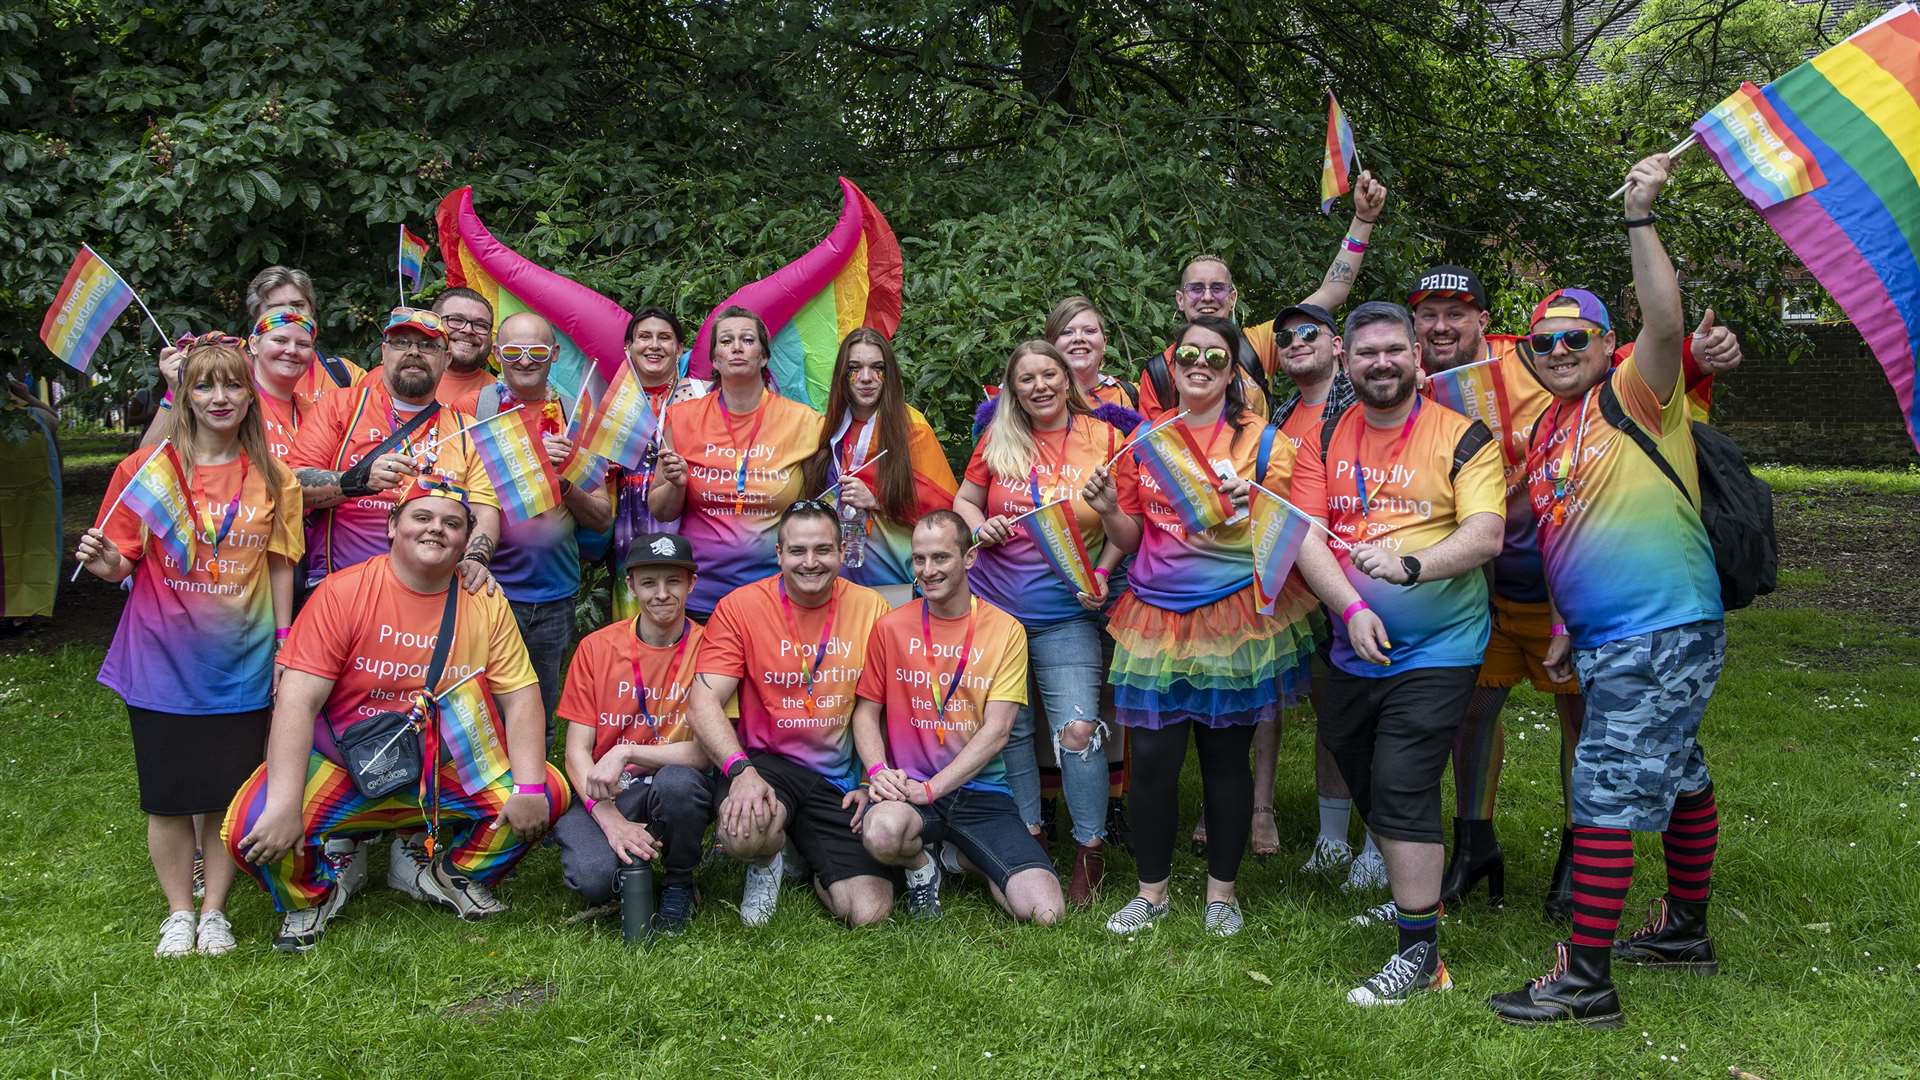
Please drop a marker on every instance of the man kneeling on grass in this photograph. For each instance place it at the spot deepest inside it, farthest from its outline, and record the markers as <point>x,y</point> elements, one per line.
<point>361,648</point>
<point>943,680</point>
<point>646,789</point>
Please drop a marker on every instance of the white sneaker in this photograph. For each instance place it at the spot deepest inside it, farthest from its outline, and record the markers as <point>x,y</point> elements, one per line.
<point>762,892</point>
<point>1369,872</point>
<point>349,860</point>
<point>300,930</point>
<point>216,934</point>
<point>468,897</point>
<point>1329,855</point>
<point>1136,915</point>
<point>1418,970</point>
<point>1224,918</point>
<point>1382,914</point>
<point>405,863</point>
<point>176,935</point>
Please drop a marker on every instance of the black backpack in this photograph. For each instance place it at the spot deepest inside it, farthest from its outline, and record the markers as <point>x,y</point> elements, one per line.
<point>1247,361</point>
<point>1735,506</point>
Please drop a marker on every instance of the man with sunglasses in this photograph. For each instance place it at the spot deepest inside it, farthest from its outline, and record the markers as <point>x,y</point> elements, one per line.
<point>1206,288</point>
<point>538,565</point>
<point>1451,313</point>
<point>468,320</point>
<point>1613,484</point>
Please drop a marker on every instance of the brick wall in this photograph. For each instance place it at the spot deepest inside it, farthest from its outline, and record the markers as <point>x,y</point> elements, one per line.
<point>1832,407</point>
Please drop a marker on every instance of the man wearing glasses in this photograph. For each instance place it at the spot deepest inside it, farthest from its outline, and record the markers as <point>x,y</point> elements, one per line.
<point>538,565</point>
<point>468,320</point>
<point>1206,288</point>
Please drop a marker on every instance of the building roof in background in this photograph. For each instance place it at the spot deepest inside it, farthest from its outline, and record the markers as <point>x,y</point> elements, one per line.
<point>1536,28</point>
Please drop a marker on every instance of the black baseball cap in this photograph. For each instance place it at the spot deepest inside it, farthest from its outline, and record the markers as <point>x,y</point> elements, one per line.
<point>660,549</point>
<point>1449,281</point>
<point>1313,312</point>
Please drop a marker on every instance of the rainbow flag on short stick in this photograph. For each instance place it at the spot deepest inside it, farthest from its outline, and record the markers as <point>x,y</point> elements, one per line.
<point>1338,157</point>
<point>626,424</point>
<point>468,733</point>
<point>89,300</point>
<point>411,260</point>
<point>157,495</point>
<point>1178,464</point>
<point>510,450</point>
<point>1057,532</point>
<point>1278,530</point>
<point>1472,390</point>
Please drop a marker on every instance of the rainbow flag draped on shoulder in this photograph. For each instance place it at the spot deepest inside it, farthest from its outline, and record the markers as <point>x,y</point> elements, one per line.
<point>1057,533</point>
<point>1278,529</point>
<point>1179,466</point>
<point>157,495</point>
<point>1829,154</point>
<point>468,733</point>
<point>510,450</point>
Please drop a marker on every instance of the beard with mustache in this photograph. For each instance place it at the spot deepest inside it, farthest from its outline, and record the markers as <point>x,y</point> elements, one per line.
<point>411,381</point>
<point>1384,397</point>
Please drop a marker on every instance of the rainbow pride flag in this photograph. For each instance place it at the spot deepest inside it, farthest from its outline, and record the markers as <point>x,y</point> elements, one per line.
<point>626,424</point>
<point>509,449</point>
<point>1336,161</point>
<point>589,328</point>
<point>413,256</point>
<point>468,735</point>
<point>849,280</point>
<point>157,495</point>
<point>1472,390</point>
<point>89,300</point>
<point>1278,529</point>
<point>1180,467</point>
<point>1057,532</point>
<point>1829,154</point>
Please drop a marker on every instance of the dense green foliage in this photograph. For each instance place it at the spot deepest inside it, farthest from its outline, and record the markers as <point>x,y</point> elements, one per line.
<point>665,152</point>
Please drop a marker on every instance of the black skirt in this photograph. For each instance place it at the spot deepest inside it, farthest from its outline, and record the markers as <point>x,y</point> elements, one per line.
<point>195,764</point>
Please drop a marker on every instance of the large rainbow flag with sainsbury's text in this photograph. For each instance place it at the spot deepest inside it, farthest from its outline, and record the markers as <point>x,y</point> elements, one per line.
<point>589,328</point>
<point>849,280</point>
<point>1829,154</point>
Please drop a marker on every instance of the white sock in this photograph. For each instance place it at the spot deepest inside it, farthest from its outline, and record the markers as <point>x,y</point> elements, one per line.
<point>920,875</point>
<point>1370,849</point>
<point>1334,815</point>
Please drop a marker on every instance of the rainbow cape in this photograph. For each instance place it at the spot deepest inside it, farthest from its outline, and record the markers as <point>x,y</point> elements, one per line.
<point>849,280</point>
<point>1054,528</point>
<point>468,735</point>
<point>1179,466</point>
<point>90,298</point>
<point>1829,154</point>
<point>412,256</point>
<point>157,495</point>
<point>1336,161</point>
<point>589,328</point>
<point>1278,529</point>
<point>509,449</point>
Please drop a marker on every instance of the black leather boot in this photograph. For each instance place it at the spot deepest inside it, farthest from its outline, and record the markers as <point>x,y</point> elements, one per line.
<point>1559,902</point>
<point>1577,989</point>
<point>1476,855</point>
<point>1675,938</point>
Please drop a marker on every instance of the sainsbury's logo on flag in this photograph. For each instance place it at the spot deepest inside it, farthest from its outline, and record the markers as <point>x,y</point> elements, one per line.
<point>1472,390</point>
<point>1278,529</point>
<point>157,495</point>
<point>471,738</point>
<point>90,298</point>
<point>516,462</point>
<point>627,422</point>
<point>1177,464</point>
<point>1057,533</point>
<point>1761,154</point>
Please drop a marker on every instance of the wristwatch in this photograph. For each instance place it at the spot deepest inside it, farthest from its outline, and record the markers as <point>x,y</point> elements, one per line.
<point>737,766</point>
<point>1412,566</point>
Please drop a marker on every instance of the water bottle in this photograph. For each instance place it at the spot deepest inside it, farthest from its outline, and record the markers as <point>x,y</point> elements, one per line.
<point>853,535</point>
<point>633,884</point>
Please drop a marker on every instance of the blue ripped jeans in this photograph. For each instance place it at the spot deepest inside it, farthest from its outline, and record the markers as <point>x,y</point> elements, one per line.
<point>1064,669</point>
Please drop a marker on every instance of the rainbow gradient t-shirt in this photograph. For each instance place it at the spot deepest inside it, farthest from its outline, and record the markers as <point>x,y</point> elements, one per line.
<point>199,640</point>
<point>730,526</point>
<point>1177,570</point>
<point>1626,554</point>
<point>1410,505</point>
<point>791,702</point>
<point>911,676</point>
<point>1015,576</point>
<point>889,553</point>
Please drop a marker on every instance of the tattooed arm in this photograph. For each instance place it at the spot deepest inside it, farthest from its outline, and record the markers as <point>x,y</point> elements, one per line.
<point>1369,198</point>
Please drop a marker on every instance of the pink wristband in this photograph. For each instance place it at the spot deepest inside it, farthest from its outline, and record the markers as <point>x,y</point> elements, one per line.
<point>727,765</point>
<point>877,767</point>
<point>588,803</point>
<point>1357,605</point>
<point>530,789</point>
<point>1101,571</point>
<point>927,785</point>
<point>280,632</point>
<point>1559,630</point>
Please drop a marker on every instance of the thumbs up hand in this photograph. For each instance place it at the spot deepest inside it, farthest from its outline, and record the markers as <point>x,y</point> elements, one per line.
<point>1715,348</point>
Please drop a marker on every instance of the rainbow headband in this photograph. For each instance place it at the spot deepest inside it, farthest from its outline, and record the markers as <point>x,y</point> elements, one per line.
<point>279,317</point>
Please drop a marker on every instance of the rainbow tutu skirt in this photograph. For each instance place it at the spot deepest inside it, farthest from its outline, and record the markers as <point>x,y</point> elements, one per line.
<point>1221,665</point>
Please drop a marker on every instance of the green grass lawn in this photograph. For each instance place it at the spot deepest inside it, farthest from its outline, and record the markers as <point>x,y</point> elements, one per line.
<point>1814,739</point>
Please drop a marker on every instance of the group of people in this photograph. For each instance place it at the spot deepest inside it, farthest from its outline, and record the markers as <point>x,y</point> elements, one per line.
<point>850,664</point>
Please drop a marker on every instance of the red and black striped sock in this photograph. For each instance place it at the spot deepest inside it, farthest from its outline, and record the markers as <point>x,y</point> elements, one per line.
<point>1602,870</point>
<point>1691,838</point>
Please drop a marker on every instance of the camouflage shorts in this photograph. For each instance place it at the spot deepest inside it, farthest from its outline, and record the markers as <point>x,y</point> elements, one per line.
<point>1639,744</point>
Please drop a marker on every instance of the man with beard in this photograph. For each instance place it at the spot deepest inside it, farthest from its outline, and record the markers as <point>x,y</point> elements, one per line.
<point>468,320</point>
<point>1206,288</point>
<point>1412,490</point>
<point>1451,314</point>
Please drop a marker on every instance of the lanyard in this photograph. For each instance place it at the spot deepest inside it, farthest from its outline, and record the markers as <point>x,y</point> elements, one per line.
<point>1561,472</point>
<point>203,520</point>
<point>673,670</point>
<point>940,700</point>
<point>809,669</point>
<point>1040,454</point>
<point>260,395</point>
<point>394,423</point>
<point>1393,455</point>
<point>740,473</point>
<point>852,457</point>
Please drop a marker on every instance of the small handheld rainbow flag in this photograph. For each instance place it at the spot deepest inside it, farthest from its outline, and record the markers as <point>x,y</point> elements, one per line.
<point>1179,466</point>
<point>1057,532</point>
<point>510,451</point>
<point>1278,529</point>
<point>157,494</point>
<point>467,731</point>
<point>626,424</point>
<point>1336,162</point>
<point>89,300</point>
<point>1472,390</point>
<point>412,258</point>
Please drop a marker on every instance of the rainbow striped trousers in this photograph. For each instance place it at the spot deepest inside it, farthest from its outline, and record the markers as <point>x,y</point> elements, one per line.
<point>331,806</point>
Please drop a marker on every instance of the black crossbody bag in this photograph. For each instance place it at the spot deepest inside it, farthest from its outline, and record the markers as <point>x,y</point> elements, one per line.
<point>383,753</point>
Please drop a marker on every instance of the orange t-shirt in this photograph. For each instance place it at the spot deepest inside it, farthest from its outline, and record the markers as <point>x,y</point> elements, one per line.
<point>461,389</point>
<point>1303,424</point>
<point>280,421</point>
<point>602,692</point>
<point>318,381</point>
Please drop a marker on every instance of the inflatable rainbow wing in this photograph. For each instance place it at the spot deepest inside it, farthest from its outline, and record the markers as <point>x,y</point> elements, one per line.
<point>851,279</point>
<point>591,328</point>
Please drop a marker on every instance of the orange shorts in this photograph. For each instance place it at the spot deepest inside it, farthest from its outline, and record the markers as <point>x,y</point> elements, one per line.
<point>1517,648</point>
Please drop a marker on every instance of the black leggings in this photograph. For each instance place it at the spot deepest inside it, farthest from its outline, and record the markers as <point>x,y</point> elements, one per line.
<point>1226,786</point>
